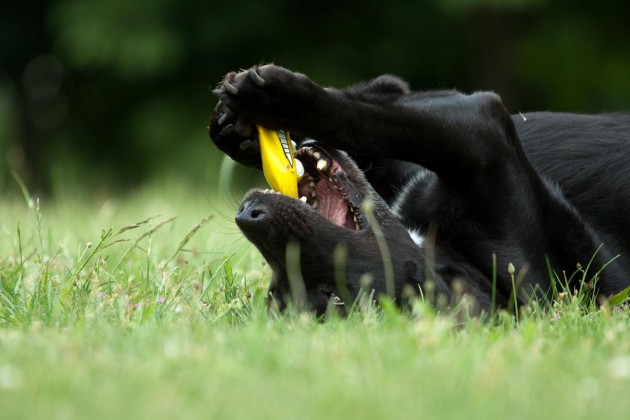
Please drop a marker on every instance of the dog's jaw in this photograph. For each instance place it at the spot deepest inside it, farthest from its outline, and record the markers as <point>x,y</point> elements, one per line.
<point>326,223</point>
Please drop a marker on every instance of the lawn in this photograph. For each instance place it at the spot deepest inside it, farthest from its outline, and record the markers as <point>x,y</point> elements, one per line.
<point>113,309</point>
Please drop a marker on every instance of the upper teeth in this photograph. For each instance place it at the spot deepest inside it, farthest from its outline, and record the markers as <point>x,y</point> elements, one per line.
<point>299,169</point>
<point>321,165</point>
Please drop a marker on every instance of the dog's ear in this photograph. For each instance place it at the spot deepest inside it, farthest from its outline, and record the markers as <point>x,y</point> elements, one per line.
<point>389,85</point>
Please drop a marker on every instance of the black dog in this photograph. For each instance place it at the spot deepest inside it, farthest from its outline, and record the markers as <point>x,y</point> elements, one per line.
<point>462,197</point>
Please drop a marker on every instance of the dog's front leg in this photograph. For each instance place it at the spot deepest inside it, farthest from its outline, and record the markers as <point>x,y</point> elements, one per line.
<point>450,133</point>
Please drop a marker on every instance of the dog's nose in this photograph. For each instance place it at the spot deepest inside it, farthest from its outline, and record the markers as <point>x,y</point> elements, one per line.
<point>252,212</point>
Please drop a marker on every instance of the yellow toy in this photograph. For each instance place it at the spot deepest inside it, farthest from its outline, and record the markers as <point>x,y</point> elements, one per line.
<point>282,171</point>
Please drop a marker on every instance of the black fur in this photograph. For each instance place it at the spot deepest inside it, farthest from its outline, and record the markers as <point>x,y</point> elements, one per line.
<point>541,191</point>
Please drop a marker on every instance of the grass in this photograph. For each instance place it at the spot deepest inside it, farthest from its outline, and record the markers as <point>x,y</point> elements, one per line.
<point>108,310</point>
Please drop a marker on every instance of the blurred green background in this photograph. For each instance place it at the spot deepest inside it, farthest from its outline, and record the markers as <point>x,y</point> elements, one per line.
<point>105,95</point>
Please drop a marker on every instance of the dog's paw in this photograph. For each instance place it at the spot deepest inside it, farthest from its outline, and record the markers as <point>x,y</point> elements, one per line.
<point>235,136</point>
<point>268,95</point>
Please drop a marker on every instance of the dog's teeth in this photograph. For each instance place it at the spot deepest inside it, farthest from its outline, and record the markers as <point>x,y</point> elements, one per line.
<point>311,184</point>
<point>313,194</point>
<point>321,165</point>
<point>336,300</point>
<point>316,155</point>
<point>303,199</point>
<point>299,169</point>
<point>355,219</point>
<point>315,204</point>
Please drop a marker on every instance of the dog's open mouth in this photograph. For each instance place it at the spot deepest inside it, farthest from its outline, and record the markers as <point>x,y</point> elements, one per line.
<point>326,187</point>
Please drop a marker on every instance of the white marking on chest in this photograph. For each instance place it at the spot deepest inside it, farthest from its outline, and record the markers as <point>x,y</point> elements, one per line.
<point>417,237</point>
<point>398,203</point>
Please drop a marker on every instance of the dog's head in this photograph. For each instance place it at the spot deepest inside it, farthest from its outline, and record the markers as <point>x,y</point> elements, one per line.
<point>338,237</point>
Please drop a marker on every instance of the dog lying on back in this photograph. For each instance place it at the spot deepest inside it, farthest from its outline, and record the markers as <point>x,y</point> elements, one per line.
<point>433,193</point>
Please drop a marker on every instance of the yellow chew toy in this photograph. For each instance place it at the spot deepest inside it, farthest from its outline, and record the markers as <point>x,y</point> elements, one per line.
<point>282,171</point>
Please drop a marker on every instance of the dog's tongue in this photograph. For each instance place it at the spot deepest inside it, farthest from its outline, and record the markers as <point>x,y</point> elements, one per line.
<point>331,203</point>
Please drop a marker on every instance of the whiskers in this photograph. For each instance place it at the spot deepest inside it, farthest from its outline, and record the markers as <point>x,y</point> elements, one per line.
<point>224,199</point>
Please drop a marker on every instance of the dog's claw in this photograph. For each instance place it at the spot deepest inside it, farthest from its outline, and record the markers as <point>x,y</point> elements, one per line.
<point>223,119</point>
<point>256,78</point>
<point>231,88</point>
<point>246,144</point>
<point>218,105</point>
<point>217,92</point>
<point>227,130</point>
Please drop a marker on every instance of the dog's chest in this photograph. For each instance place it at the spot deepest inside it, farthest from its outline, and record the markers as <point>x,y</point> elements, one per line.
<point>404,200</point>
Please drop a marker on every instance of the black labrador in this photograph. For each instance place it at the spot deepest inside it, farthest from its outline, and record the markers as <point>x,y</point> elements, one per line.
<point>438,193</point>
